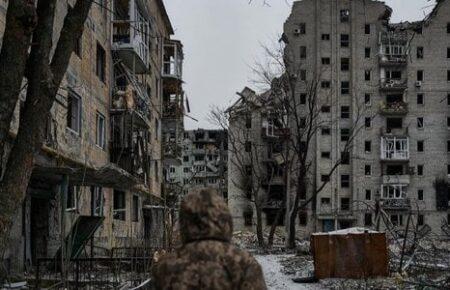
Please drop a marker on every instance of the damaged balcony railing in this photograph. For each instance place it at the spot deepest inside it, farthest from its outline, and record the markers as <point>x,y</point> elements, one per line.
<point>94,273</point>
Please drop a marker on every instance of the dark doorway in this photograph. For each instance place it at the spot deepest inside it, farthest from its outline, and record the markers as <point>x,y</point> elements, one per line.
<point>39,228</point>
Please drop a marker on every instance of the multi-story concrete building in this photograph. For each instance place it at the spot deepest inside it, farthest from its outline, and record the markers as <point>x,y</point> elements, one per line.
<point>99,174</point>
<point>393,80</point>
<point>204,162</point>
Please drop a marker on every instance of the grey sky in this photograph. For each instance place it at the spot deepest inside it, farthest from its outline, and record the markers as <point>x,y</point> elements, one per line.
<point>222,40</point>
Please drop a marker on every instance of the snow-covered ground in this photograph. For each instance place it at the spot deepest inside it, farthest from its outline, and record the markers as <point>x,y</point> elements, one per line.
<point>275,279</point>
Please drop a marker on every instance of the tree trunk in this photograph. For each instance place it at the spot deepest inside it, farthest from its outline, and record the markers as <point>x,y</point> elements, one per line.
<point>39,101</point>
<point>295,208</point>
<point>259,228</point>
<point>20,22</point>
<point>273,227</point>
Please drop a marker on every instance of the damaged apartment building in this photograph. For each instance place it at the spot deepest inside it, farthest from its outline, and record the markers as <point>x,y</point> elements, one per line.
<point>98,178</point>
<point>389,85</point>
<point>204,162</point>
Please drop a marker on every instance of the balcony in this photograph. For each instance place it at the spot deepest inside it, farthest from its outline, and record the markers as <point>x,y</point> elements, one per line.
<point>394,149</point>
<point>173,107</point>
<point>396,203</point>
<point>396,179</point>
<point>394,108</point>
<point>393,40</point>
<point>393,60</point>
<point>393,84</point>
<point>269,131</point>
<point>130,35</point>
<point>127,98</point>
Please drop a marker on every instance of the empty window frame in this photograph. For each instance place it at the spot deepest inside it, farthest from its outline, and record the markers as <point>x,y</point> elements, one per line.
<point>345,15</point>
<point>367,219</point>
<point>325,84</point>
<point>345,88</point>
<point>302,98</point>
<point>419,170</point>
<point>368,122</point>
<point>303,217</point>
<point>326,60</point>
<point>248,146</point>
<point>100,68</point>
<point>420,146</point>
<point>367,99</point>
<point>367,52</point>
<point>96,201</point>
<point>72,198</point>
<point>367,170</point>
<point>420,75</point>
<point>325,154</point>
<point>345,112</point>
<point>420,123</point>
<point>367,29</point>
<point>100,130</point>
<point>367,75</point>
<point>420,194</point>
<point>345,158</point>
<point>325,109</point>
<point>248,217</point>
<point>345,64</point>
<point>448,52</point>
<point>345,181</point>
<point>74,112</point>
<point>345,40</point>
<point>368,194</point>
<point>345,204</point>
<point>119,205</point>
<point>135,208</point>
<point>394,123</point>
<point>397,219</point>
<point>302,52</point>
<point>394,191</point>
<point>419,52</point>
<point>345,134</point>
<point>420,99</point>
<point>325,36</point>
<point>420,220</point>
<point>368,146</point>
<point>326,131</point>
<point>303,75</point>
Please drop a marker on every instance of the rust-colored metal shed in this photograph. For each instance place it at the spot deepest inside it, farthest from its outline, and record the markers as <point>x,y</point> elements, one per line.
<point>350,253</point>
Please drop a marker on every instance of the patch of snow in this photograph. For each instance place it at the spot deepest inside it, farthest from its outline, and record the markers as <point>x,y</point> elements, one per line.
<point>355,230</point>
<point>275,279</point>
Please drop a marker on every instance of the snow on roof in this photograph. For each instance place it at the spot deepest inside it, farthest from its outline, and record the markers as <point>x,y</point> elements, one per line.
<point>355,230</point>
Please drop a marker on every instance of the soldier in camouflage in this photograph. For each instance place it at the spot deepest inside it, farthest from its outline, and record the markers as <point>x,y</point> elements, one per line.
<point>206,259</point>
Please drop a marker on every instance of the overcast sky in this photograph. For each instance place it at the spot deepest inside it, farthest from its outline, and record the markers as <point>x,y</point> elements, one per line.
<point>222,39</point>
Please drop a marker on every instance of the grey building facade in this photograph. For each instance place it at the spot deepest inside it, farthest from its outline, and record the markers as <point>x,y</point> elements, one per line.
<point>394,79</point>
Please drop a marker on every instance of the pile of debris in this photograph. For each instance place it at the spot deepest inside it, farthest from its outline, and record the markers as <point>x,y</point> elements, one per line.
<point>249,240</point>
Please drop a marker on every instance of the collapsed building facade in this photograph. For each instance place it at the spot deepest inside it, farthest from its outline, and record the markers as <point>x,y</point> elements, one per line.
<point>393,81</point>
<point>204,162</point>
<point>97,182</point>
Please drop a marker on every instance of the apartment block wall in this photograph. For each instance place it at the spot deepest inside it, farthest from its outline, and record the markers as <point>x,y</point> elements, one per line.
<point>324,17</point>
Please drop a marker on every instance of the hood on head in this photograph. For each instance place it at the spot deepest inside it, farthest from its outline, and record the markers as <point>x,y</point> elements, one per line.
<point>204,216</point>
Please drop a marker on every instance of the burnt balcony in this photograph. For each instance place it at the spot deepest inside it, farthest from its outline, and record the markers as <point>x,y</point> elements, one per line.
<point>396,204</point>
<point>393,40</point>
<point>173,107</point>
<point>394,108</point>
<point>172,59</point>
<point>396,180</point>
<point>272,132</point>
<point>393,84</point>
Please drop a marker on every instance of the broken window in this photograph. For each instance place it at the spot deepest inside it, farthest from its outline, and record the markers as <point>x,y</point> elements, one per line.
<point>248,217</point>
<point>325,109</point>
<point>101,131</point>
<point>72,197</point>
<point>448,75</point>
<point>367,52</point>
<point>420,146</point>
<point>420,122</point>
<point>345,181</point>
<point>96,201</point>
<point>135,208</point>
<point>326,154</point>
<point>345,15</point>
<point>345,134</point>
<point>303,75</point>
<point>419,52</point>
<point>73,112</point>
<point>394,191</point>
<point>302,98</point>
<point>367,146</point>
<point>186,158</point>
<point>368,194</point>
<point>367,75</point>
<point>420,75</point>
<point>325,37</point>
<point>397,219</point>
<point>448,27</point>
<point>420,170</point>
<point>345,112</point>
<point>271,216</point>
<point>345,88</point>
<point>345,204</point>
<point>394,123</point>
<point>326,60</point>
<point>119,205</point>
<point>368,122</point>
<point>324,178</point>
<point>367,99</point>
<point>345,158</point>
<point>448,145</point>
<point>367,29</point>
<point>325,84</point>
<point>419,99</point>
<point>325,201</point>
<point>394,170</point>
<point>448,52</point>
<point>303,52</point>
<point>302,28</point>
<point>367,170</point>
<point>248,146</point>
<point>100,68</point>
<point>248,120</point>
<point>303,218</point>
<point>420,194</point>
<point>367,219</point>
<point>326,131</point>
<point>345,64</point>
<point>345,40</point>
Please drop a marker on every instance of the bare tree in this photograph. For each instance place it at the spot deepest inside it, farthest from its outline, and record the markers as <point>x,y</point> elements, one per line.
<point>296,87</point>
<point>44,72</point>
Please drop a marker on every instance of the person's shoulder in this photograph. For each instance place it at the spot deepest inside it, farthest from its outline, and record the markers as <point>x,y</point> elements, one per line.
<point>243,255</point>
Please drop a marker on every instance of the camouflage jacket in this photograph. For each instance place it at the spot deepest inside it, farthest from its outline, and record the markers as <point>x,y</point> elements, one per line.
<point>206,259</point>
